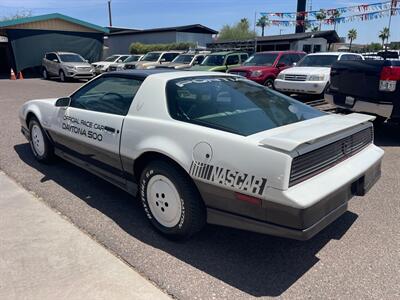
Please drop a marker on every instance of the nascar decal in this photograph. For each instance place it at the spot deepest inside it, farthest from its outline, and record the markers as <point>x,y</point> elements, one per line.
<point>82,127</point>
<point>231,178</point>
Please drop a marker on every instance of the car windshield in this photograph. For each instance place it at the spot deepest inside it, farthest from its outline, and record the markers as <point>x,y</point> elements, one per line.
<point>233,104</point>
<point>261,60</point>
<point>71,58</point>
<point>151,56</point>
<point>318,61</point>
<point>111,58</point>
<point>132,58</point>
<point>214,60</point>
<point>183,59</point>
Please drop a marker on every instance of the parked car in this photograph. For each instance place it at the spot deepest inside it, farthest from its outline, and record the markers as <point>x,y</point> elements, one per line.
<point>221,61</point>
<point>371,86</point>
<point>199,147</point>
<point>311,75</point>
<point>185,60</point>
<point>263,67</point>
<point>102,66</point>
<point>153,59</point>
<point>66,65</point>
<point>121,66</point>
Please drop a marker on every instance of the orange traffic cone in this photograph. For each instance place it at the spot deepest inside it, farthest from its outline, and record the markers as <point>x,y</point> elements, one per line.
<point>20,76</point>
<point>12,75</point>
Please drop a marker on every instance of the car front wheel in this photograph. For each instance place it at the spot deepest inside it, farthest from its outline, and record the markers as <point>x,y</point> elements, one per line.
<point>171,201</point>
<point>45,74</point>
<point>62,76</point>
<point>269,83</point>
<point>40,144</point>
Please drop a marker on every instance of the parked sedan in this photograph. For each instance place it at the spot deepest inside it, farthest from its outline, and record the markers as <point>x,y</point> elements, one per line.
<point>102,66</point>
<point>264,67</point>
<point>184,61</point>
<point>199,147</point>
<point>221,61</point>
<point>121,66</point>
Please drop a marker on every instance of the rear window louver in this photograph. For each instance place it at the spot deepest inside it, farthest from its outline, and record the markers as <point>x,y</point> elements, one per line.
<point>314,162</point>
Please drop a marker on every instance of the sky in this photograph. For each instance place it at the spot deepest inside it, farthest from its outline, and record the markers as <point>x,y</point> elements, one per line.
<point>212,13</point>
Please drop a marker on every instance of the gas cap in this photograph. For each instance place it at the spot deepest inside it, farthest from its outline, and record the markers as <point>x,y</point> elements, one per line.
<point>202,153</point>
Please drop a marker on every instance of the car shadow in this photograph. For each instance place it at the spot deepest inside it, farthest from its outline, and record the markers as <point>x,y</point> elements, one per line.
<point>387,134</point>
<point>256,264</point>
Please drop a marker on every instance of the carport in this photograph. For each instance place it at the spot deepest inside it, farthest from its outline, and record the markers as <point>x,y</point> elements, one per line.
<point>24,41</point>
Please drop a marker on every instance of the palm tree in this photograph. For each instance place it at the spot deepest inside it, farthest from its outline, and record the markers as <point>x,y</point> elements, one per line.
<point>352,35</point>
<point>321,16</point>
<point>336,14</point>
<point>384,35</point>
<point>262,22</point>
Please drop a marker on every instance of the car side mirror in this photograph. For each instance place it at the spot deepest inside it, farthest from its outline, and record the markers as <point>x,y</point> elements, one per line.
<point>119,61</point>
<point>63,102</point>
<point>294,64</point>
<point>162,60</point>
<point>55,60</point>
<point>281,65</point>
<point>86,60</point>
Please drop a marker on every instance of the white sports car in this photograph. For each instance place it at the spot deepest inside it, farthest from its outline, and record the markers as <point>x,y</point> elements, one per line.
<point>203,147</point>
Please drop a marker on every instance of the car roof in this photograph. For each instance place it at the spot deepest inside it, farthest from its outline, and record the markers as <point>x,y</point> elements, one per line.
<point>226,53</point>
<point>165,73</point>
<point>333,53</point>
<point>283,52</point>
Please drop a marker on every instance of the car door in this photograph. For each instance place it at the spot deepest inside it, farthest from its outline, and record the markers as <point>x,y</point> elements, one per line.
<point>285,61</point>
<point>53,64</point>
<point>88,130</point>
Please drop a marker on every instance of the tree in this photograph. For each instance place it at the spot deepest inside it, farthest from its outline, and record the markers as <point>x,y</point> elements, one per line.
<point>321,16</point>
<point>335,14</point>
<point>238,31</point>
<point>352,35</point>
<point>18,15</point>
<point>262,22</point>
<point>384,35</point>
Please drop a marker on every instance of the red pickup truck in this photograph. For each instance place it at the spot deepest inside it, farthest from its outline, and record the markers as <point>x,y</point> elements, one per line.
<point>263,67</point>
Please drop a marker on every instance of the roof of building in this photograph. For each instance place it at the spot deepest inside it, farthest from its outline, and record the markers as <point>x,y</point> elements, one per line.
<point>46,17</point>
<point>330,35</point>
<point>196,28</point>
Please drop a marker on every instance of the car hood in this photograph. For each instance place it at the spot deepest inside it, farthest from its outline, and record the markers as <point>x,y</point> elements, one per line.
<point>307,70</point>
<point>290,137</point>
<point>252,68</point>
<point>77,64</point>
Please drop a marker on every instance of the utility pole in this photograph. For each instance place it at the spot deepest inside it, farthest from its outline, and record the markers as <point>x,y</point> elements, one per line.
<point>255,33</point>
<point>109,12</point>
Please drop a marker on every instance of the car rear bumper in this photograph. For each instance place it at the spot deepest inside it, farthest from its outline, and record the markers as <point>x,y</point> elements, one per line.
<point>303,87</point>
<point>312,209</point>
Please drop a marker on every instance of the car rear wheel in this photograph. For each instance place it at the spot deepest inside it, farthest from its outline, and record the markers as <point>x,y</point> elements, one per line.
<point>40,144</point>
<point>45,75</point>
<point>269,83</point>
<point>171,201</point>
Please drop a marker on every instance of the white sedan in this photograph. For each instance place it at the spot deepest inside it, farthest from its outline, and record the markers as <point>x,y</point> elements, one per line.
<point>312,74</point>
<point>200,147</point>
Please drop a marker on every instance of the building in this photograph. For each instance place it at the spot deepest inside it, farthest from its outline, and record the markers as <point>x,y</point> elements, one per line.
<point>24,41</point>
<point>309,42</point>
<point>119,39</point>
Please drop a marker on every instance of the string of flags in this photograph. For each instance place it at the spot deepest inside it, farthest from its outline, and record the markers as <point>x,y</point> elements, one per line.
<point>333,16</point>
<point>333,11</point>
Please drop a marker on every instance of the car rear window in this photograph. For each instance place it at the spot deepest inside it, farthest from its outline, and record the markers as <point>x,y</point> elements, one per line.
<point>233,104</point>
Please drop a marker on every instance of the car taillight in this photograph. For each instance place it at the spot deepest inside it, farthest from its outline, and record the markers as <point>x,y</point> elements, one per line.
<point>389,78</point>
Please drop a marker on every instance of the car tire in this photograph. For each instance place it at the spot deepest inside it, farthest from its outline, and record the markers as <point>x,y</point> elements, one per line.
<point>40,144</point>
<point>45,74</point>
<point>269,83</point>
<point>171,201</point>
<point>63,78</point>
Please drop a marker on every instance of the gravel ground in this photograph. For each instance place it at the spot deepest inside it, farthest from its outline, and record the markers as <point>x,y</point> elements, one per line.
<point>357,257</point>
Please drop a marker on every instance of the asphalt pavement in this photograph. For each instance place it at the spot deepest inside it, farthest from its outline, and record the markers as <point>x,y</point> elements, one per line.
<point>356,257</point>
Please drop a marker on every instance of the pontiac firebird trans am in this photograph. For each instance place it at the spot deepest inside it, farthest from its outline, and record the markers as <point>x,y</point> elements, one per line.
<point>201,147</point>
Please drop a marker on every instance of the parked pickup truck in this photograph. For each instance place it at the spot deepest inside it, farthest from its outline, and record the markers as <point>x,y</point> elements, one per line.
<point>370,86</point>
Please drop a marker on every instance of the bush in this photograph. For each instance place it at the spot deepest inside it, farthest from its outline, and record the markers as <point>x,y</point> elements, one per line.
<point>139,48</point>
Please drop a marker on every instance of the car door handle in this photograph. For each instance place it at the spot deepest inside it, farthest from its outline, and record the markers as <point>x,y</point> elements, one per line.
<point>109,129</point>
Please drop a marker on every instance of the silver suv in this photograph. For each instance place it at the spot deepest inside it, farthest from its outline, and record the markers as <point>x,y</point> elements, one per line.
<point>66,65</point>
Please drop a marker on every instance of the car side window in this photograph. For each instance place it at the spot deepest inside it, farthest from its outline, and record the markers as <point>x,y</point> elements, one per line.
<point>199,59</point>
<point>112,95</point>
<point>122,58</point>
<point>52,56</point>
<point>295,58</point>
<point>285,60</point>
<point>350,57</point>
<point>232,60</point>
<point>169,56</point>
<point>244,57</point>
